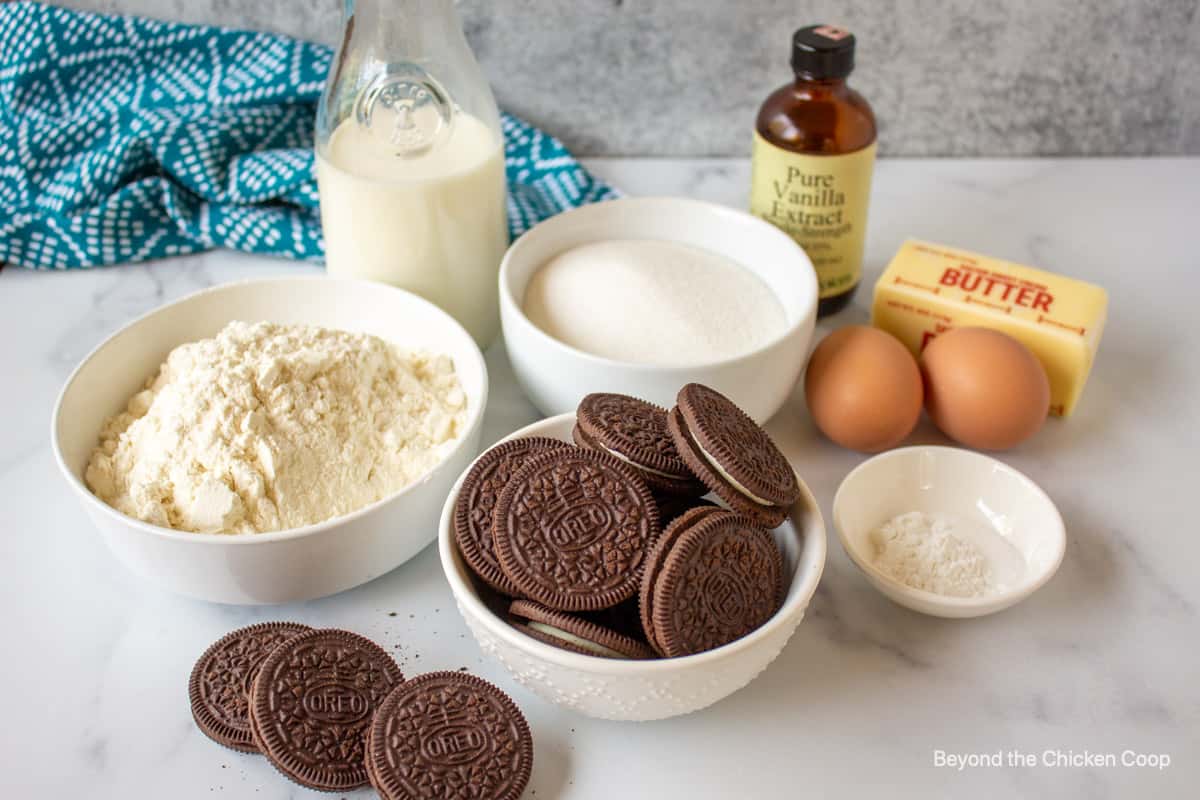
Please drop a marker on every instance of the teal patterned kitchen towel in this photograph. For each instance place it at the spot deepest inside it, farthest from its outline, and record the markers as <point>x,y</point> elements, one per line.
<point>126,139</point>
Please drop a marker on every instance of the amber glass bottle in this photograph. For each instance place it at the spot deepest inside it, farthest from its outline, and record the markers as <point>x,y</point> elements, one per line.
<point>814,152</point>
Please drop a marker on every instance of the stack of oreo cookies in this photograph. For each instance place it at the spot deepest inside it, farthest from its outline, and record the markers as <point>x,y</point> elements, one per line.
<point>331,711</point>
<point>609,548</point>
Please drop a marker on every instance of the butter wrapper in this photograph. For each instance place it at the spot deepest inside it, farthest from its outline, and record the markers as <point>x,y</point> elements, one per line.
<point>928,289</point>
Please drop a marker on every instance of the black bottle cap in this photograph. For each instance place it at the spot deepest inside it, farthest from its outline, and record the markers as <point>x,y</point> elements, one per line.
<point>822,52</point>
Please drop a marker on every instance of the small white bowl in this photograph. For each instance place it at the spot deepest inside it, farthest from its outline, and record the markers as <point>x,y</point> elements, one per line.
<point>556,376</point>
<point>1006,514</point>
<point>611,688</point>
<point>283,566</point>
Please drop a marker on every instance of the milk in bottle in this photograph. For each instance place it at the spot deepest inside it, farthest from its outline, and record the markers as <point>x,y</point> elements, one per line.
<point>410,160</point>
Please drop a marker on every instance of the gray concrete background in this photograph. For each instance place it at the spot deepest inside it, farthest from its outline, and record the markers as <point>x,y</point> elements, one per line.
<point>685,77</point>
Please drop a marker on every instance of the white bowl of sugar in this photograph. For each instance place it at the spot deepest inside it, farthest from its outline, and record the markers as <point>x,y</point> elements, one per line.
<point>642,295</point>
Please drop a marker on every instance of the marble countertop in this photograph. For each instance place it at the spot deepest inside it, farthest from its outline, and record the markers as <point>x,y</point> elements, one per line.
<point>1104,659</point>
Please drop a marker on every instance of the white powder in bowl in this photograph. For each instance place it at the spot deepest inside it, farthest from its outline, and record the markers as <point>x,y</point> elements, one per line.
<point>266,427</point>
<point>922,551</point>
<point>653,302</point>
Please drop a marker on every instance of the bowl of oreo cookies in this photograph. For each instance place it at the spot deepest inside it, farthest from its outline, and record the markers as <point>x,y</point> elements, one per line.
<point>631,562</point>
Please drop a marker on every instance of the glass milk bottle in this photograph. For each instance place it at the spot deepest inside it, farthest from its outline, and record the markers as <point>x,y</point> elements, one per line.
<point>410,160</point>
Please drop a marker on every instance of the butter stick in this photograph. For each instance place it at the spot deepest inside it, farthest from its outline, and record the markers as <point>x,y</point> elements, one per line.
<point>930,288</point>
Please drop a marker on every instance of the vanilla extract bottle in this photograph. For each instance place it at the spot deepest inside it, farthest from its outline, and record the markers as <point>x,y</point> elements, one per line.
<point>814,153</point>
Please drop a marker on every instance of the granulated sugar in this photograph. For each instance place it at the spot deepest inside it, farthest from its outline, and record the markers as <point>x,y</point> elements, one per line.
<point>653,302</point>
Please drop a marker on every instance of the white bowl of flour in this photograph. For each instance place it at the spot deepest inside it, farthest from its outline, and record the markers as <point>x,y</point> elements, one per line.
<point>643,295</point>
<point>948,532</point>
<point>299,440</point>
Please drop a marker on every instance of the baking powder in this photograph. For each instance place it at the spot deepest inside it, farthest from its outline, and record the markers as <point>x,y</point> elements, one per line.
<point>922,551</point>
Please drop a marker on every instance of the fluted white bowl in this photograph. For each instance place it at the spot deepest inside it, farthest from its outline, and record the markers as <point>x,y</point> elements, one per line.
<point>282,566</point>
<point>638,690</point>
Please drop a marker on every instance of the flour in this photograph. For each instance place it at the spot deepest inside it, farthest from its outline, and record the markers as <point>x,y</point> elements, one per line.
<point>922,551</point>
<point>653,302</point>
<point>267,427</point>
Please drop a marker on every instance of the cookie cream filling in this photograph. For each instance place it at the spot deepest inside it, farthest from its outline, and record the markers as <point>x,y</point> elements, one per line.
<point>587,644</point>
<point>642,467</point>
<point>712,462</point>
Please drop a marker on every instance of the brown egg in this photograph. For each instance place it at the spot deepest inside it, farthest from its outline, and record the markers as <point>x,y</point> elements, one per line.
<point>983,388</point>
<point>863,389</point>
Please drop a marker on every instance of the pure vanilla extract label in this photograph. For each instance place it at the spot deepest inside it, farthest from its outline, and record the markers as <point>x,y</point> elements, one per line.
<point>821,202</point>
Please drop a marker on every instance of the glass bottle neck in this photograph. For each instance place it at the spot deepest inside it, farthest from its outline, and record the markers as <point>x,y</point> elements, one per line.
<point>406,21</point>
<point>819,87</point>
<point>402,66</point>
<point>829,83</point>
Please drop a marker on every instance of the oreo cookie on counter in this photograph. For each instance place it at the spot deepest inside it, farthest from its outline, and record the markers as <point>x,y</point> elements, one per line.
<point>331,711</point>
<point>219,686</point>
<point>449,735</point>
<point>733,455</point>
<point>636,432</point>
<point>572,529</point>
<point>569,632</point>
<point>312,703</point>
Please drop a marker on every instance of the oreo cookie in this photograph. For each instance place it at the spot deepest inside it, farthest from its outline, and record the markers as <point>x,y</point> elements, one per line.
<point>732,455</point>
<point>312,702</point>
<point>473,510</point>
<point>572,529</point>
<point>569,632</point>
<point>636,432</point>
<point>449,735</point>
<point>219,686</point>
<point>655,561</point>
<point>721,579</point>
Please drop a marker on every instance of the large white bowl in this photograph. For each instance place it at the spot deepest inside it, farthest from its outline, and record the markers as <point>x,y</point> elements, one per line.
<point>637,690</point>
<point>556,376</point>
<point>1013,521</point>
<point>283,566</point>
